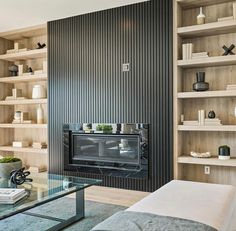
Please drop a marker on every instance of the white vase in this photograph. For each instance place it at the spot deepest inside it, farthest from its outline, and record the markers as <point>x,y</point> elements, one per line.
<point>40,115</point>
<point>201,17</point>
<point>39,92</point>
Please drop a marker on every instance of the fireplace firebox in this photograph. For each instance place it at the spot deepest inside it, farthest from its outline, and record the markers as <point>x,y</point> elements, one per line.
<point>108,149</point>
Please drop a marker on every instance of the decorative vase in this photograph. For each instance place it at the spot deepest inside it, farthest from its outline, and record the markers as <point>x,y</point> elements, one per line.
<point>13,70</point>
<point>6,168</point>
<point>40,115</point>
<point>224,152</point>
<point>200,85</point>
<point>211,114</point>
<point>201,17</point>
<point>39,92</point>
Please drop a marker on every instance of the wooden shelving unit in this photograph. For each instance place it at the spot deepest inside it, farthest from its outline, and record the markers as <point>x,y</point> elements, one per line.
<point>22,79</point>
<point>214,161</point>
<point>23,102</point>
<point>24,150</point>
<point>31,54</point>
<point>214,28</point>
<point>34,58</point>
<point>220,72</point>
<point>206,94</point>
<point>208,62</point>
<point>41,126</point>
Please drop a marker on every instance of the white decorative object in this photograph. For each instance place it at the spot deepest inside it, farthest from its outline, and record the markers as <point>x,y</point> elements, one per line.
<point>45,67</point>
<point>40,114</point>
<point>234,10</point>
<point>20,144</point>
<point>201,117</point>
<point>182,118</point>
<point>201,17</point>
<point>200,155</point>
<point>39,92</point>
<point>187,50</point>
<point>16,47</point>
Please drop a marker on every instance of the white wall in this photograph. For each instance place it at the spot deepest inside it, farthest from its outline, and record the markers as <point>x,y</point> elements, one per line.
<point>23,13</point>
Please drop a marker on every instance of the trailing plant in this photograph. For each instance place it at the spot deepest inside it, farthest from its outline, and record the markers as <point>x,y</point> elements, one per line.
<point>9,159</point>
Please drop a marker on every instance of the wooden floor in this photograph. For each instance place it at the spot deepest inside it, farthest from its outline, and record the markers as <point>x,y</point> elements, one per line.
<point>113,195</point>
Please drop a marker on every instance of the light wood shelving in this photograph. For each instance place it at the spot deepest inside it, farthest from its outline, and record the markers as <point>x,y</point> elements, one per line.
<point>206,94</point>
<point>207,161</point>
<point>5,125</point>
<point>220,72</point>
<point>214,28</point>
<point>34,58</point>
<point>25,150</point>
<point>187,4</point>
<point>208,62</point>
<point>22,79</point>
<point>23,102</point>
<point>25,55</point>
<point>220,128</point>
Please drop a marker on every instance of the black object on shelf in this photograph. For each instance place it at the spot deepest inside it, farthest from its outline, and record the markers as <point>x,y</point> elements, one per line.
<point>228,50</point>
<point>224,151</point>
<point>200,85</point>
<point>41,46</point>
<point>29,70</point>
<point>19,176</point>
<point>211,114</point>
<point>13,69</point>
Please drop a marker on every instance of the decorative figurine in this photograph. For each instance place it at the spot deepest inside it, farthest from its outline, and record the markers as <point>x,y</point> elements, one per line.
<point>224,152</point>
<point>41,46</point>
<point>228,51</point>
<point>201,17</point>
<point>18,177</point>
<point>29,70</point>
<point>13,70</point>
<point>200,85</point>
<point>211,114</point>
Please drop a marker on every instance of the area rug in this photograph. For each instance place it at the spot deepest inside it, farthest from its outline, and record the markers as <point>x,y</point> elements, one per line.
<point>62,208</point>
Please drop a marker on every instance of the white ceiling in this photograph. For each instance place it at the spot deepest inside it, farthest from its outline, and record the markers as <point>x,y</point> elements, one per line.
<point>16,14</point>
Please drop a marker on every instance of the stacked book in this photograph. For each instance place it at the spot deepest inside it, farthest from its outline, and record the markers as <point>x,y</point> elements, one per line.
<point>231,87</point>
<point>200,55</point>
<point>191,122</point>
<point>39,145</point>
<point>11,196</point>
<point>213,122</point>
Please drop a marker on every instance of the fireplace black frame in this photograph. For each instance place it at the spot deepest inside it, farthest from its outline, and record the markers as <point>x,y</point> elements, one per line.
<point>132,169</point>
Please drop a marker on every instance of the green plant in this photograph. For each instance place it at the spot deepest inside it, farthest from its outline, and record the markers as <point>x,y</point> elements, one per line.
<point>104,127</point>
<point>9,159</point>
<point>99,127</point>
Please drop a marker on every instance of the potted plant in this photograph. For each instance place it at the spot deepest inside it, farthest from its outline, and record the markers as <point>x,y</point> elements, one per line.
<point>105,128</point>
<point>7,164</point>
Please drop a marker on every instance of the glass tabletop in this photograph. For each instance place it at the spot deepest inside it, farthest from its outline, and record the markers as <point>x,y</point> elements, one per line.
<point>43,189</point>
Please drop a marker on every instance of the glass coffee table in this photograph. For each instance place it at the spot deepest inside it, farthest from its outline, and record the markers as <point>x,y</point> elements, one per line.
<point>46,188</point>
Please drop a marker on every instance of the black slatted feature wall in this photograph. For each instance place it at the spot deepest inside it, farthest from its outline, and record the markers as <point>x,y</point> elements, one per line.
<point>87,83</point>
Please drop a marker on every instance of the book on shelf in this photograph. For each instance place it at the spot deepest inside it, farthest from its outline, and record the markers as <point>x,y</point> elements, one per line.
<point>200,55</point>
<point>225,18</point>
<point>231,87</point>
<point>39,145</point>
<point>11,196</point>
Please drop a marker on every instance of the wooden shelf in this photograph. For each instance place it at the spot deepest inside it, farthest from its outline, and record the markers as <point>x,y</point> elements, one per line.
<point>226,128</point>
<point>25,150</point>
<point>31,54</point>
<point>214,28</point>
<point>207,161</point>
<point>19,79</point>
<point>23,125</point>
<point>187,4</point>
<point>208,62</point>
<point>23,101</point>
<point>207,94</point>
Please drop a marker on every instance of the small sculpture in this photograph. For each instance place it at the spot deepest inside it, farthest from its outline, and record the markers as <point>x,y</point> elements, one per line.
<point>200,155</point>
<point>13,70</point>
<point>41,46</point>
<point>211,114</point>
<point>29,70</point>
<point>228,51</point>
<point>200,85</point>
<point>18,177</point>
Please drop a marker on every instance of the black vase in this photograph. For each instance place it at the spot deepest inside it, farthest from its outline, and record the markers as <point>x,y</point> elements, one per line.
<point>211,114</point>
<point>200,85</point>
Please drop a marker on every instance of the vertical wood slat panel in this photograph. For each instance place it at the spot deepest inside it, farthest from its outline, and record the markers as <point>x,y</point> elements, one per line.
<point>86,82</point>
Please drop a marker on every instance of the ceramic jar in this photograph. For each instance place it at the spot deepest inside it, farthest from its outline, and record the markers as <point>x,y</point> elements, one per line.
<point>224,152</point>
<point>39,92</point>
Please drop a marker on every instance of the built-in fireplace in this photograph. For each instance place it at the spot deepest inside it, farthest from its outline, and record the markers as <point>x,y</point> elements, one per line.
<point>109,149</point>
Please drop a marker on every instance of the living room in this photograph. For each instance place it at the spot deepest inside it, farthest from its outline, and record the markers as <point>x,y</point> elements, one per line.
<point>118,115</point>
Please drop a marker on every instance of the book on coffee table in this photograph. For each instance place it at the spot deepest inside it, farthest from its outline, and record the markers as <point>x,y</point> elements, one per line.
<point>11,196</point>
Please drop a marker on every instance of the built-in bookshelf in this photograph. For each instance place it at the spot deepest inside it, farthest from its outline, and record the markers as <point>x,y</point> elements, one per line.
<point>220,71</point>
<point>31,56</point>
